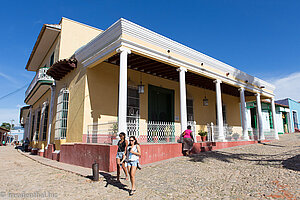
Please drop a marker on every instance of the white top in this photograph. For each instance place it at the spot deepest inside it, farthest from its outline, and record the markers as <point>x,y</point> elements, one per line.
<point>131,156</point>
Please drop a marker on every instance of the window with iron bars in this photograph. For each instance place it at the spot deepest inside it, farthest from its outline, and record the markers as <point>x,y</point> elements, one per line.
<point>62,114</point>
<point>133,103</point>
<point>45,124</point>
<point>133,111</point>
<point>32,128</point>
<point>38,122</point>
<point>190,109</point>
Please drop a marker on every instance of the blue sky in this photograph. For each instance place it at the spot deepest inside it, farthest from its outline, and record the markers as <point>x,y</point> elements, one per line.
<point>259,37</point>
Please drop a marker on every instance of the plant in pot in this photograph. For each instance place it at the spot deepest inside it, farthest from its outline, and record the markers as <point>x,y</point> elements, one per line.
<point>203,135</point>
<point>235,136</point>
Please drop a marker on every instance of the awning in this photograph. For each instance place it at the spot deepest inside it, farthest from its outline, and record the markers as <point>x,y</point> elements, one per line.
<point>61,68</point>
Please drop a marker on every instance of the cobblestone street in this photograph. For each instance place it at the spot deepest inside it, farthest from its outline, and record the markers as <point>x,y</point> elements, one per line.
<point>259,171</point>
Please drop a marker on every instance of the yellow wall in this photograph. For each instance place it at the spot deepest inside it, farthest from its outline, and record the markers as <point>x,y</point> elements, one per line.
<point>101,98</point>
<point>74,35</point>
<point>75,83</point>
<point>38,106</point>
<point>54,48</point>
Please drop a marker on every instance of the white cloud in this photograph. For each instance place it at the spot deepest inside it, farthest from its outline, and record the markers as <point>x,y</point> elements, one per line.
<point>9,78</point>
<point>287,87</point>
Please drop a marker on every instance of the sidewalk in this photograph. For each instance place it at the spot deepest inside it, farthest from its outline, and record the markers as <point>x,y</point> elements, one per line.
<point>80,171</point>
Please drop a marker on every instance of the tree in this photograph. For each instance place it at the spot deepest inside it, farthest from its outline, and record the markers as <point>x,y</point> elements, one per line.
<point>6,125</point>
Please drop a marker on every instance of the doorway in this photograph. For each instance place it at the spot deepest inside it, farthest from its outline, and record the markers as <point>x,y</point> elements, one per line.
<point>295,119</point>
<point>160,104</point>
<point>253,118</point>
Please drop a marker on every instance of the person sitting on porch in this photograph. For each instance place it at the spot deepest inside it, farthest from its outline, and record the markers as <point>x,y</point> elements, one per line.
<point>188,141</point>
<point>122,146</point>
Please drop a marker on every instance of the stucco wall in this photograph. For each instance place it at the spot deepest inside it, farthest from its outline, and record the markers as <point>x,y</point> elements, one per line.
<point>53,48</point>
<point>74,35</point>
<point>294,107</point>
<point>101,99</point>
<point>35,108</point>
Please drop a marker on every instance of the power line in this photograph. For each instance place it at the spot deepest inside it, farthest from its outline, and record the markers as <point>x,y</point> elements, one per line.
<point>13,92</point>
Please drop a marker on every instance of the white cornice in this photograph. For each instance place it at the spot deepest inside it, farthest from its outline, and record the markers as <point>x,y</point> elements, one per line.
<point>111,39</point>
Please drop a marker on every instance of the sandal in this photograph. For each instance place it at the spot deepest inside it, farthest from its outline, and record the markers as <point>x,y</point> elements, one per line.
<point>132,192</point>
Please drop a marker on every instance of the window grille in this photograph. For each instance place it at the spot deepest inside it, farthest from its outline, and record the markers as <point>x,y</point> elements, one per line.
<point>32,128</point>
<point>190,109</point>
<point>62,114</point>
<point>38,126</point>
<point>133,104</point>
<point>45,124</point>
<point>133,111</point>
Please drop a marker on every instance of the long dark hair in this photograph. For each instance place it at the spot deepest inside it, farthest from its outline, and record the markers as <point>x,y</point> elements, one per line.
<point>135,141</point>
<point>122,133</point>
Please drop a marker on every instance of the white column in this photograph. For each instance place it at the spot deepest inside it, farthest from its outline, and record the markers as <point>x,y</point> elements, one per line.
<point>259,116</point>
<point>274,119</point>
<point>183,113</point>
<point>243,113</point>
<point>50,119</point>
<point>221,136</point>
<point>122,112</point>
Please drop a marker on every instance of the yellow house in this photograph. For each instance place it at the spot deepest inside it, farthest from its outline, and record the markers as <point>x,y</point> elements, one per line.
<point>92,84</point>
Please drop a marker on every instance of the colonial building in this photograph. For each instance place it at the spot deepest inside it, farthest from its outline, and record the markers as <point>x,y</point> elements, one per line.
<point>294,115</point>
<point>92,84</point>
<point>282,118</point>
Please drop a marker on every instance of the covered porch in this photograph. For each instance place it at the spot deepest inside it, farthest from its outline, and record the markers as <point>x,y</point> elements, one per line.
<point>156,101</point>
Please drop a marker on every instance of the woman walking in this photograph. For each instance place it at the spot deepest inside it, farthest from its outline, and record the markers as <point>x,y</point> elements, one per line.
<point>188,141</point>
<point>122,146</point>
<point>133,154</point>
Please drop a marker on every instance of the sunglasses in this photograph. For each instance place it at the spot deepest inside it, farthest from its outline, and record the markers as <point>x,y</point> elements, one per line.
<point>131,140</point>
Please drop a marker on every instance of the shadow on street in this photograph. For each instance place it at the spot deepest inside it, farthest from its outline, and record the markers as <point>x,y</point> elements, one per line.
<point>292,163</point>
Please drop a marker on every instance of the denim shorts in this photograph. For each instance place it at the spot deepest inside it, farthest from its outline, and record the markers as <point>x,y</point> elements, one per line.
<point>133,163</point>
<point>120,155</point>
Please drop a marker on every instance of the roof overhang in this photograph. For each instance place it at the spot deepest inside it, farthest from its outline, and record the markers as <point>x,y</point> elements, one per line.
<point>3,130</point>
<point>61,68</point>
<point>46,38</point>
<point>24,113</point>
<point>150,44</point>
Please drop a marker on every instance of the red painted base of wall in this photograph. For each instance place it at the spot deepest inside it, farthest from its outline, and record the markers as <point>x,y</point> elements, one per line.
<point>86,154</point>
<point>48,152</point>
<point>105,155</point>
<point>55,156</point>
<point>41,154</point>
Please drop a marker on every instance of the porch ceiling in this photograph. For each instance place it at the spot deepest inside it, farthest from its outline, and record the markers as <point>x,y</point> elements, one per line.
<point>153,67</point>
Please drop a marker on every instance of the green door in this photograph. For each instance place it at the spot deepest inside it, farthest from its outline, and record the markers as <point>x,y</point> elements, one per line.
<point>160,104</point>
<point>253,118</point>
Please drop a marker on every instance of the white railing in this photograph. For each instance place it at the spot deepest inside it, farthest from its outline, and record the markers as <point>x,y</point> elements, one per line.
<point>159,132</point>
<point>193,128</point>
<point>133,128</point>
<point>269,134</point>
<point>40,76</point>
<point>102,133</point>
<point>106,133</point>
<point>229,133</point>
<point>253,134</point>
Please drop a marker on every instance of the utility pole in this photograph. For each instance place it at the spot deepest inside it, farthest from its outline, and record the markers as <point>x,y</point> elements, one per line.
<point>11,123</point>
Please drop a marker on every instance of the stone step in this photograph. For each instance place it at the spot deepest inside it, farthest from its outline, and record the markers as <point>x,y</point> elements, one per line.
<point>207,148</point>
<point>206,144</point>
